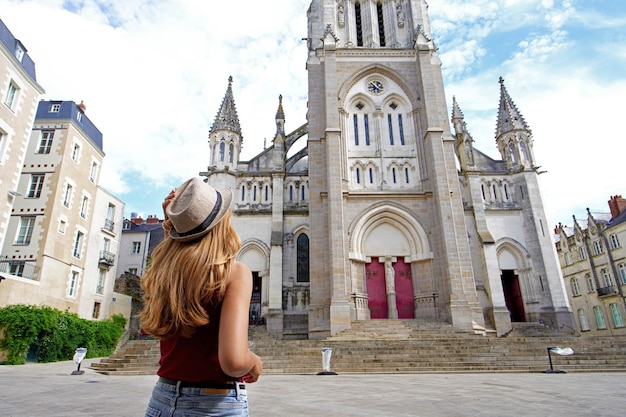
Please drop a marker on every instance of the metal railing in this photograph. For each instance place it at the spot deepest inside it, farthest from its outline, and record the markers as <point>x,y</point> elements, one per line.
<point>20,269</point>
<point>106,258</point>
<point>606,291</point>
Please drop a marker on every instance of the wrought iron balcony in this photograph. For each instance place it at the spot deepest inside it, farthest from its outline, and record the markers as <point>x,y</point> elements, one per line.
<point>109,225</point>
<point>107,258</point>
<point>20,269</point>
<point>606,291</point>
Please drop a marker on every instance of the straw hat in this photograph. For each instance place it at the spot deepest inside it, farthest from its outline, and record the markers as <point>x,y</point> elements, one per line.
<point>196,208</point>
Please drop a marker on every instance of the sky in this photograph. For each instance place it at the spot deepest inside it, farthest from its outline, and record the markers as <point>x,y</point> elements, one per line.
<point>153,74</point>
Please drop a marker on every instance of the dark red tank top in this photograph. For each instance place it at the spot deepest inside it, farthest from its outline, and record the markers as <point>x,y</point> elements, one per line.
<point>194,359</point>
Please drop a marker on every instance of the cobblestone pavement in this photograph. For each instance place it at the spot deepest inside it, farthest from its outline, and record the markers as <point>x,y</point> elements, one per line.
<point>50,390</point>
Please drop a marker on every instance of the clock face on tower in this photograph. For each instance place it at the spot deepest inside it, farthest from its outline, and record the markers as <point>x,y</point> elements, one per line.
<point>375,86</point>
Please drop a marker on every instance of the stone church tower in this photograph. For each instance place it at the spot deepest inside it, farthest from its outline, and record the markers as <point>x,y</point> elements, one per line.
<point>385,213</point>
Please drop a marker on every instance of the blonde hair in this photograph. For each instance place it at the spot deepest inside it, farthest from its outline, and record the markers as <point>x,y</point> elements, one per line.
<point>184,277</point>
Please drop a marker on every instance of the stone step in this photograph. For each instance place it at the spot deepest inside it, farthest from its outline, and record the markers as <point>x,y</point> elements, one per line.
<point>406,347</point>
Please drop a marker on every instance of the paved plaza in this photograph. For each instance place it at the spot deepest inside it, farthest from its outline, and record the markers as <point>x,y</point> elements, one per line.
<point>50,390</point>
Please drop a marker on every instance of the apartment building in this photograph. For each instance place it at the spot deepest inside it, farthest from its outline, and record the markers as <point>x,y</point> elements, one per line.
<point>64,230</point>
<point>20,94</point>
<point>593,260</point>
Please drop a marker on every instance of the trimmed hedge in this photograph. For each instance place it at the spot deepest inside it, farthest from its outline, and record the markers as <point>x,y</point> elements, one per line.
<point>54,334</point>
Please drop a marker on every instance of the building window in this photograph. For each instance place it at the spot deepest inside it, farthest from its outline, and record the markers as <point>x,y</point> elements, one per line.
<point>371,172</point>
<point>109,222</point>
<point>606,275</point>
<point>84,206</point>
<point>222,150</point>
<point>381,23</point>
<point>11,97</point>
<point>231,152</point>
<point>27,224</point>
<point>76,152</point>
<point>17,268</point>
<point>71,289</point>
<point>614,241</point>
<point>19,52</point>
<point>582,318</point>
<point>254,193</point>
<point>302,193</point>
<point>401,129</point>
<point>62,226</point>
<point>358,175</point>
<point>618,321</point>
<point>302,256</point>
<point>390,124</point>
<point>406,175</point>
<point>366,125</point>
<point>291,193</point>
<point>575,287</point>
<point>568,258</point>
<point>93,172</point>
<point>79,117</point>
<point>243,193</point>
<point>393,174</point>
<point>67,197</point>
<point>36,184</point>
<point>102,273</point>
<point>267,193</point>
<point>78,244</point>
<point>590,286</point>
<point>96,310</point>
<point>136,248</point>
<point>600,321</point>
<point>622,273</point>
<point>355,119</point>
<point>597,247</point>
<point>582,253</point>
<point>45,143</point>
<point>54,108</point>
<point>359,24</point>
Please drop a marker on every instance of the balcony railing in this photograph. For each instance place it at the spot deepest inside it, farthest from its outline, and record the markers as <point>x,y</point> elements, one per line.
<point>20,269</point>
<point>109,225</point>
<point>606,291</point>
<point>106,258</point>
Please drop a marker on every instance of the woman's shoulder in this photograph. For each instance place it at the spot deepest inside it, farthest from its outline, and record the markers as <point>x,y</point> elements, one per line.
<point>239,271</point>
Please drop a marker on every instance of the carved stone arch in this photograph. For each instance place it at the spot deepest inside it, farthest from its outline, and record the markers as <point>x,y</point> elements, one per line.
<point>382,70</point>
<point>396,97</point>
<point>256,254</point>
<point>368,104</point>
<point>388,215</point>
<point>511,255</point>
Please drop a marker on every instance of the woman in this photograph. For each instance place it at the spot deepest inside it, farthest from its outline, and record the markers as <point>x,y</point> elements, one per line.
<point>196,302</point>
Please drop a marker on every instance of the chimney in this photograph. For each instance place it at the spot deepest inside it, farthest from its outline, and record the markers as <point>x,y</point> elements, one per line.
<point>616,204</point>
<point>82,106</point>
<point>152,219</point>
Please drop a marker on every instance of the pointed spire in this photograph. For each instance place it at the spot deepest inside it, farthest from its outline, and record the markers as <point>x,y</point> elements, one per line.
<point>509,118</point>
<point>280,114</point>
<point>227,118</point>
<point>458,119</point>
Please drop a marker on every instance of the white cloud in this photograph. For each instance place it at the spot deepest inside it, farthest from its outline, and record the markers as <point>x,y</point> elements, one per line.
<point>153,74</point>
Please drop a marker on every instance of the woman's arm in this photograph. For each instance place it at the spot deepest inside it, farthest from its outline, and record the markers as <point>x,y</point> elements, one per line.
<point>235,358</point>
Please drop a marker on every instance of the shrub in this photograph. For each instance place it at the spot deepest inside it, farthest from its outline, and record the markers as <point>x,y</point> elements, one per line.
<point>55,334</point>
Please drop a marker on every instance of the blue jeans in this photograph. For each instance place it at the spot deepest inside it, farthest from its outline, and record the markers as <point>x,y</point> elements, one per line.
<point>171,401</point>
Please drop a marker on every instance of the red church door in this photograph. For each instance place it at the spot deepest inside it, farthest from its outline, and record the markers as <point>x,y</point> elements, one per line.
<point>376,291</point>
<point>404,290</point>
<point>513,296</point>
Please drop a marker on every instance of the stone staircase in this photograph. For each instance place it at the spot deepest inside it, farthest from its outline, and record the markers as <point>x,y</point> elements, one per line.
<point>407,346</point>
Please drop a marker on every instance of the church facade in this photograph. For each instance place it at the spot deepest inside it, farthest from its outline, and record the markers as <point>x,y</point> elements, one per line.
<point>385,212</point>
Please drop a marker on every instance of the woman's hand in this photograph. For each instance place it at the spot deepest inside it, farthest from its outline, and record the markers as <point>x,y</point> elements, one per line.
<point>255,372</point>
<point>167,201</point>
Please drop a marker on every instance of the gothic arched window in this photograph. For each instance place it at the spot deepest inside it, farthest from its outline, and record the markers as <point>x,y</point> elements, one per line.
<point>359,24</point>
<point>222,150</point>
<point>302,258</point>
<point>381,23</point>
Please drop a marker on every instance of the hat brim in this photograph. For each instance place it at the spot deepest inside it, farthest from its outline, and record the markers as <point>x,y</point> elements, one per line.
<point>227,198</point>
